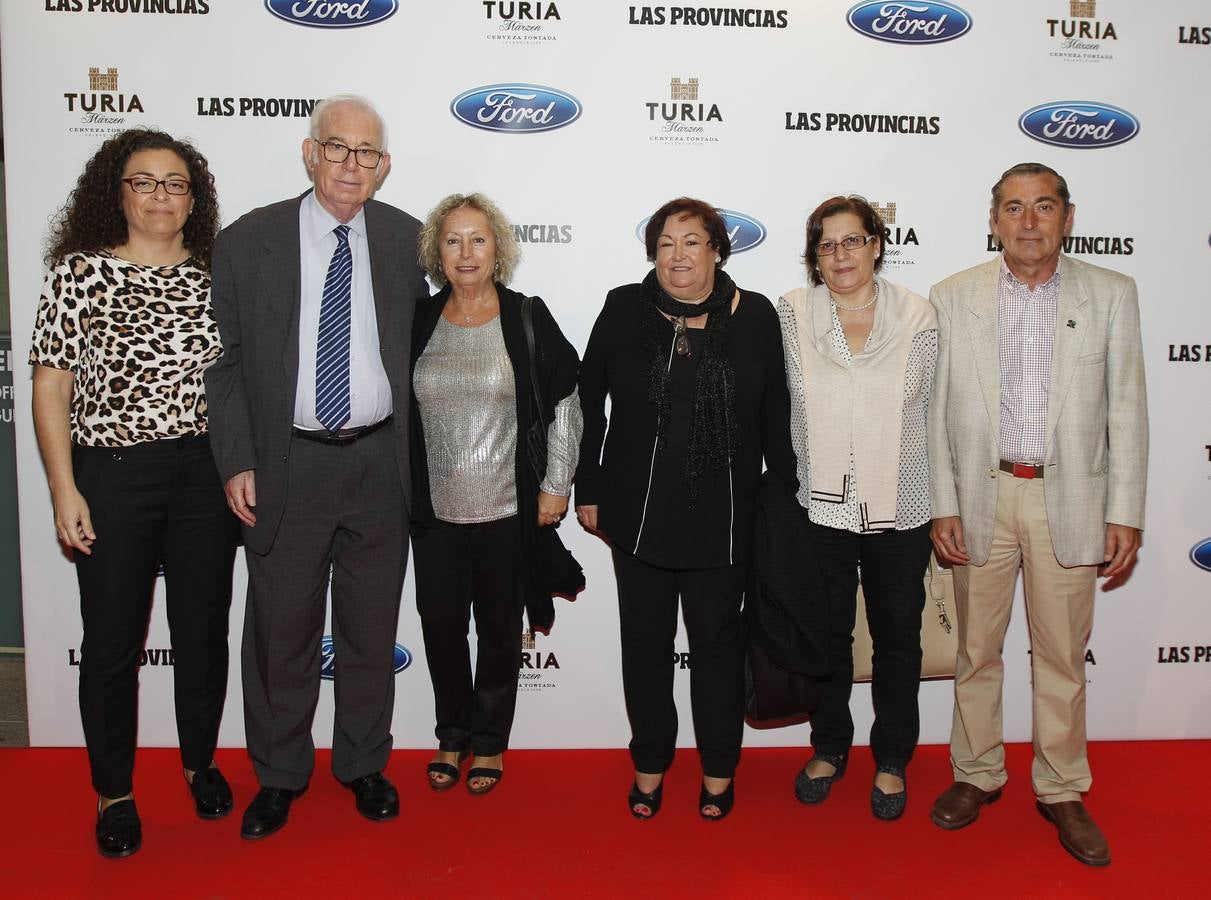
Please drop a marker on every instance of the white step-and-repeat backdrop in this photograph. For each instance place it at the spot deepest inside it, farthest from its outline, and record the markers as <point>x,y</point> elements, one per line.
<point>580,118</point>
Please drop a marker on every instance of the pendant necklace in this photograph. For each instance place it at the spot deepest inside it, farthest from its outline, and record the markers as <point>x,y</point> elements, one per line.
<point>682,343</point>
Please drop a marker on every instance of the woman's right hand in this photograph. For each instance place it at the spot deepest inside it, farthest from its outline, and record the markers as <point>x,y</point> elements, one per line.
<point>587,516</point>
<point>73,522</point>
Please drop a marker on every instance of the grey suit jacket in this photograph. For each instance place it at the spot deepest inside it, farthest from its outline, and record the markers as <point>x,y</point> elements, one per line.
<point>250,390</point>
<point>1097,416</point>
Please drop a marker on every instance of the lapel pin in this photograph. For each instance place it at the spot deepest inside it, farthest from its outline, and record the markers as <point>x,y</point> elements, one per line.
<point>1072,323</point>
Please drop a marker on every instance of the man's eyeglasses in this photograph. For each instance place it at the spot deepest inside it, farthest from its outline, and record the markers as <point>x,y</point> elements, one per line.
<point>143,185</point>
<point>335,151</point>
<point>851,242</point>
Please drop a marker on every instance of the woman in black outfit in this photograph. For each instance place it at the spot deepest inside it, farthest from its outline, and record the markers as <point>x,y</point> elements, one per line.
<point>694,370</point>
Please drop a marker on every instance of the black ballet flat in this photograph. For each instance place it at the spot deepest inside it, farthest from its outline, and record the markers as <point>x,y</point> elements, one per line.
<point>815,790</point>
<point>651,800</point>
<point>722,802</point>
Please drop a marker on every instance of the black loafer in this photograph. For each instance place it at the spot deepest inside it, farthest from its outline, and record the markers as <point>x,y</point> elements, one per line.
<point>377,799</point>
<point>211,794</point>
<point>119,831</point>
<point>267,812</point>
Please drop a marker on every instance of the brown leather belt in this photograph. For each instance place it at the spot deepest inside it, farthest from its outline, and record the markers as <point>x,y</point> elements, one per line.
<point>340,438</point>
<point>1021,470</point>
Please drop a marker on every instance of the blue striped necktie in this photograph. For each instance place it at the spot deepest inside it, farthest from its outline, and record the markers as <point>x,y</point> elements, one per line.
<point>332,345</point>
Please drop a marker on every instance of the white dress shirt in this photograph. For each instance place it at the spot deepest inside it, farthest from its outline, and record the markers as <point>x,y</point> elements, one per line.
<point>369,388</point>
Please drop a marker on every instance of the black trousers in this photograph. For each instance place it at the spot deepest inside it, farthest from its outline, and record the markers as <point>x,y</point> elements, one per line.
<point>150,503</point>
<point>647,610</point>
<point>344,524</point>
<point>460,570</point>
<point>893,570</point>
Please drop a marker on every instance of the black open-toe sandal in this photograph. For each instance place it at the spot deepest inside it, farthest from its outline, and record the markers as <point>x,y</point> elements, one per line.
<point>722,802</point>
<point>450,770</point>
<point>652,800</point>
<point>483,772</point>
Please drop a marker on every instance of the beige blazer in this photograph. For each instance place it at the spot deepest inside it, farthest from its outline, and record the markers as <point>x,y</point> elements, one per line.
<point>1097,415</point>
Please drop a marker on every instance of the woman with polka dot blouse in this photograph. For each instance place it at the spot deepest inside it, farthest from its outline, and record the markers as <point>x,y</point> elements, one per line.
<point>860,354</point>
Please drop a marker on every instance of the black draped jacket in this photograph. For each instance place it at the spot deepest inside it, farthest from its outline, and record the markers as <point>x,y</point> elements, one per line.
<point>557,366</point>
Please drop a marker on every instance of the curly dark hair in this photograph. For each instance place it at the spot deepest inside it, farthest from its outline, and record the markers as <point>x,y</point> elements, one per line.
<point>92,217</point>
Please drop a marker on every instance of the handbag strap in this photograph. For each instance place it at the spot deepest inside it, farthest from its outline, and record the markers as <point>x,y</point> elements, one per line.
<point>527,324</point>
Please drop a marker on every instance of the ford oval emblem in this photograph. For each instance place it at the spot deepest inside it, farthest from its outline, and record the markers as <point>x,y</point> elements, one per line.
<point>909,23</point>
<point>516,108</point>
<point>1079,124</point>
<point>401,658</point>
<point>1200,554</point>
<point>745,231</point>
<point>332,13</point>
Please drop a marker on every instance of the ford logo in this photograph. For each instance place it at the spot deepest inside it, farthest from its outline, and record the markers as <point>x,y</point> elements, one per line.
<point>400,661</point>
<point>745,231</point>
<point>331,13</point>
<point>1079,124</point>
<point>516,108</point>
<point>1200,554</point>
<point>909,23</point>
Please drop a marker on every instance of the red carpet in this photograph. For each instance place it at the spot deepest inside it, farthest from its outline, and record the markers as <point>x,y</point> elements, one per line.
<point>558,826</point>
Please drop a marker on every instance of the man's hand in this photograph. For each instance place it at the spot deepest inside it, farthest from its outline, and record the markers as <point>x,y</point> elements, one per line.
<point>551,508</point>
<point>947,537</point>
<point>241,496</point>
<point>1122,544</point>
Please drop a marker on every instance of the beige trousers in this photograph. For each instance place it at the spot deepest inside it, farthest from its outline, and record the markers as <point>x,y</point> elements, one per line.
<point>1059,612</point>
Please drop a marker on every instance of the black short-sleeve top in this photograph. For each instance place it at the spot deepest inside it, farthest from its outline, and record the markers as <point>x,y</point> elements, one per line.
<point>138,339</point>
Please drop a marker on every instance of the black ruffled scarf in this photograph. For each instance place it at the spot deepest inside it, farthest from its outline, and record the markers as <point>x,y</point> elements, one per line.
<point>713,434</point>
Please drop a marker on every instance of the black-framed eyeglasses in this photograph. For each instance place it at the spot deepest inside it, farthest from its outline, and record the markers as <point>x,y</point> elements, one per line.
<point>335,151</point>
<point>849,242</point>
<point>141,184</point>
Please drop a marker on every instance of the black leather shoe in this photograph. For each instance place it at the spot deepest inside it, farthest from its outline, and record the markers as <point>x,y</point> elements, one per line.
<point>211,794</point>
<point>267,812</point>
<point>377,799</point>
<point>119,831</point>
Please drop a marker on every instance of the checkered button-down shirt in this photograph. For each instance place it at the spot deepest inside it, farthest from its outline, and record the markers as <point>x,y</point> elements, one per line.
<point>1026,326</point>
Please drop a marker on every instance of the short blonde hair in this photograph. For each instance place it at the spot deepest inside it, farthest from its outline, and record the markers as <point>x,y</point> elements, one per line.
<point>508,251</point>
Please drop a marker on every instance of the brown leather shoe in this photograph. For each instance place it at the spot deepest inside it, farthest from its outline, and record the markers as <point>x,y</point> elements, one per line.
<point>960,804</point>
<point>1079,834</point>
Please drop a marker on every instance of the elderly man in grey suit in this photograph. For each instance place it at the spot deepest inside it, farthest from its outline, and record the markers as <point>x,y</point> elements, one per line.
<point>309,422</point>
<point>1038,445</point>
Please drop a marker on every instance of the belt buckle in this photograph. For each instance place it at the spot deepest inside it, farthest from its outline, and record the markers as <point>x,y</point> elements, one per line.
<point>1021,470</point>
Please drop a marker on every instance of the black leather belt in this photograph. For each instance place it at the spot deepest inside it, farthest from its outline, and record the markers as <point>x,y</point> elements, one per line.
<point>340,438</point>
<point>1021,470</point>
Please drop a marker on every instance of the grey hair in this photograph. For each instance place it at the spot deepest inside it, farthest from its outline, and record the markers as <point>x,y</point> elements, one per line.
<point>1029,168</point>
<point>508,251</point>
<point>323,107</point>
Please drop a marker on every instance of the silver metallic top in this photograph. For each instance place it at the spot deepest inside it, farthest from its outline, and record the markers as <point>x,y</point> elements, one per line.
<point>468,405</point>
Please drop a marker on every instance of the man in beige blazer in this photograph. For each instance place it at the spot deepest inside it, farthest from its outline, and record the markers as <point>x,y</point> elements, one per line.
<point>1038,446</point>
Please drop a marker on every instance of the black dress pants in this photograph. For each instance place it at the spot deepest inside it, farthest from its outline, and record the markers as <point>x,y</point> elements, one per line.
<point>710,604</point>
<point>461,570</point>
<point>893,570</point>
<point>150,503</point>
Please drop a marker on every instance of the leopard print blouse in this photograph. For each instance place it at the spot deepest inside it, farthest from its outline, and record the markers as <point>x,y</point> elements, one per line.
<point>138,339</point>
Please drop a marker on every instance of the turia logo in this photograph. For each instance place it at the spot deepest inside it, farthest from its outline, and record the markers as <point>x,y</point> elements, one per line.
<point>401,659</point>
<point>332,13</point>
<point>1079,124</point>
<point>1200,554</point>
<point>909,23</point>
<point>516,108</point>
<point>744,231</point>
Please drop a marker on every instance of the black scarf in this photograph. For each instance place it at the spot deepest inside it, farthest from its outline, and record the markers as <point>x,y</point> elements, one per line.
<point>713,433</point>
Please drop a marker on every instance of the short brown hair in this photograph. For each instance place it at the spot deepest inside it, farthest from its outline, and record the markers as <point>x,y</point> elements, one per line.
<point>855,204</point>
<point>684,208</point>
<point>1030,168</point>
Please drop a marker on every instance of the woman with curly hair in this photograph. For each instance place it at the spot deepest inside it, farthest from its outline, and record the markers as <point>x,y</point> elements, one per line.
<point>693,368</point>
<point>123,334</point>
